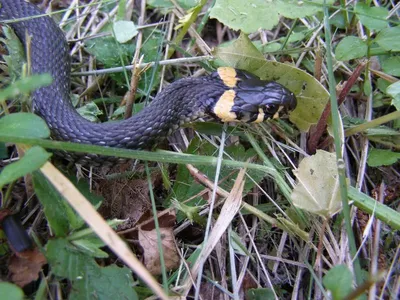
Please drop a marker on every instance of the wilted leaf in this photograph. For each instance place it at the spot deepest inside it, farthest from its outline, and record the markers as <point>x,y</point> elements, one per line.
<point>148,241</point>
<point>339,281</point>
<point>317,189</point>
<point>124,31</point>
<point>25,266</point>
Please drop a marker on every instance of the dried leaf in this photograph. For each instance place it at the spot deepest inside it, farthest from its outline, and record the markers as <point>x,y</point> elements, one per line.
<point>148,241</point>
<point>25,266</point>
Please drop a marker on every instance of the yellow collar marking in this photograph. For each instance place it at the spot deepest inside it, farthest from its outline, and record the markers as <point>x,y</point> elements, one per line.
<point>260,116</point>
<point>228,76</point>
<point>223,107</point>
<point>278,113</point>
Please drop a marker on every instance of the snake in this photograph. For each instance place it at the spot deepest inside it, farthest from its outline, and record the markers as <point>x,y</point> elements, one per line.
<point>227,94</point>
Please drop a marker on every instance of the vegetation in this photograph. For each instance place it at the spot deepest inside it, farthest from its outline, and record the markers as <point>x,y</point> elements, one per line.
<point>306,207</point>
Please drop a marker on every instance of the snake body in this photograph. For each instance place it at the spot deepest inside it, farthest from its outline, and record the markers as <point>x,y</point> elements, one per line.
<point>227,94</point>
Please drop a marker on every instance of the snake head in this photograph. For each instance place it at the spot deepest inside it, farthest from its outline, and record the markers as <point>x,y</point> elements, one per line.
<point>250,99</point>
<point>257,100</point>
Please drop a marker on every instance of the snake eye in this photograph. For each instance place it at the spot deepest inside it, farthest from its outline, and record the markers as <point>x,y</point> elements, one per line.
<point>271,109</point>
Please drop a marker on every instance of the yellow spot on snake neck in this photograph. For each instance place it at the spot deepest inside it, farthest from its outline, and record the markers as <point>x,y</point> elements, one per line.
<point>260,117</point>
<point>223,107</point>
<point>228,76</point>
<point>278,113</point>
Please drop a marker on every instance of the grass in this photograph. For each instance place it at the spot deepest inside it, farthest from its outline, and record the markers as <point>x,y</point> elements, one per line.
<point>224,203</point>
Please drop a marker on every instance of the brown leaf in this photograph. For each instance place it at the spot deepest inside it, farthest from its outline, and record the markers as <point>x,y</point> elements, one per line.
<point>151,253</point>
<point>25,266</point>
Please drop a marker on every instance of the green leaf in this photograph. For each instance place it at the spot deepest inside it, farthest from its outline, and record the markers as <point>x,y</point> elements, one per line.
<point>10,291</point>
<point>185,187</point>
<point>351,47</point>
<point>260,294</point>
<point>90,112</point>
<point>379,157</point>
<point>124,31</point>
<point>388,39</point>
<point>374,18</point>
<point>260,14</point>
<point>391,65</point>
<point>106,283</point>
<point>339,281</point>
<point>311,95</point>
<point>90,246</point>
<point>24,86</point>
<point>317,190</point>
<point>3,151</point>
<point>16,57</point>
<point>33,159</point>
<point>88,278</point>
<point>185,4</point>
<point>394,91</point>
<point>67,261</point>
<point>59,214</point>
<point>24,125</point>
<point>111,54</point>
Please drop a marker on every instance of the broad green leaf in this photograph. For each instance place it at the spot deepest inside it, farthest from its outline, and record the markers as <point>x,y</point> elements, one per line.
<point>59,214</point>
<point>380,157</point>
<point>339,281</point>
<point>124,31</point>
<point>311,95</point>
<point>67,261</point>
<point>24,125</point>
<point>260,14</point>
<point>391,65</point>
<point>33,159</point>
<point>374,18</point>
<point>317,189</point>
<point>394,91</point>
<point>24,86</point>
<point>106,283</point>
<point>351,47</point>
<point>388,39</point>
<point>11,291</point>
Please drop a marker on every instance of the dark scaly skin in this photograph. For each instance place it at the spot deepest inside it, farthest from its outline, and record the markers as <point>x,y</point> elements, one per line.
<point>183,101</point>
